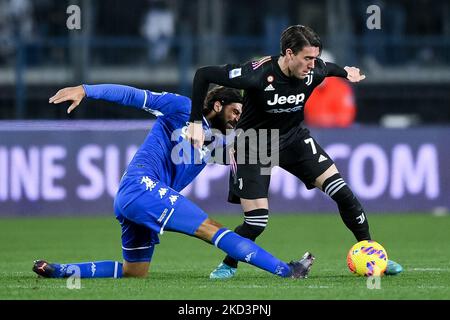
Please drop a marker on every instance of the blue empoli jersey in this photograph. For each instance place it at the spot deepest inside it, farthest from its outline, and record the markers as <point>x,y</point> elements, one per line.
<point>165,155</point>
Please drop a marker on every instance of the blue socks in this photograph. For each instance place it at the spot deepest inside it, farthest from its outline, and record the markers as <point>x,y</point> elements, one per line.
<point>245,250</point>
<point>234,245</point>
<point>95,269</point>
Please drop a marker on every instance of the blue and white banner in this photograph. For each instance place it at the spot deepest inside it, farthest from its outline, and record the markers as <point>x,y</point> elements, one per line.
<point>74,167</point>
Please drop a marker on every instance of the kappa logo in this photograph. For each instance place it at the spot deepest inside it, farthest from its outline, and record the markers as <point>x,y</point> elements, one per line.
<point>269,88</point>
<point>279,270</point>
<point>93,268</point>
<point>173,199</point>
<point>162,192</point>
<point>149,183</point>
<point>62,268</point>
<point>249,256</point>
<point>241,183</point>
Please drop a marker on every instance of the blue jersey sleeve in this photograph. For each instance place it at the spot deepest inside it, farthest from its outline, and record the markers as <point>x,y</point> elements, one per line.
<point>157,103</point>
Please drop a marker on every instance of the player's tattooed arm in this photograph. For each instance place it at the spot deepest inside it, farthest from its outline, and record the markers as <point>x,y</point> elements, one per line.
<point>74,94</point>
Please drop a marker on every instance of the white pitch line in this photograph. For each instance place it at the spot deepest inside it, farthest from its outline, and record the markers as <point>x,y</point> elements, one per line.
<point>34,287</point>
<point>429,269</point>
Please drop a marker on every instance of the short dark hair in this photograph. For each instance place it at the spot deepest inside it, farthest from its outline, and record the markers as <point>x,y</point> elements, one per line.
<point>297,37</point>
<point>222,94</point>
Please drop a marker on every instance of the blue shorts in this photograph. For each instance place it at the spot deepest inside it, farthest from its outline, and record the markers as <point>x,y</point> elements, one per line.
<point>146,208</point>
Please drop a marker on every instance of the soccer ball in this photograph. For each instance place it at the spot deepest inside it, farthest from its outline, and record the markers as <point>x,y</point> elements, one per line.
<point>367,258</point>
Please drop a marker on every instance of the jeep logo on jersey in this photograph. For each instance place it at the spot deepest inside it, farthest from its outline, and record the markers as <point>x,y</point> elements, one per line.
<point>292,99</point>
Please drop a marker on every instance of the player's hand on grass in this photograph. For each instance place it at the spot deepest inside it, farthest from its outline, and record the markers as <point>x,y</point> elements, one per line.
<point>74,94</point>
<point>353,74</point>
<point>195,134</point>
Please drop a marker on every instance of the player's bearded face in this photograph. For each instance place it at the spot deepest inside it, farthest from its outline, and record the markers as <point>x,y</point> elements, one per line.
<point>303,62</point>
<point>227,118</point>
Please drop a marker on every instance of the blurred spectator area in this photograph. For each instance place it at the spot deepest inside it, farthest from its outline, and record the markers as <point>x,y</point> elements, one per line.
<point>158,44</point>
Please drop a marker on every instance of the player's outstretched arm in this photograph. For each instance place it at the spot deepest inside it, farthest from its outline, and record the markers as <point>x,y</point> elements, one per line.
<point>74,94</point>
<point>120,94</point>
<point>354,74</point>
<point>157,103</point>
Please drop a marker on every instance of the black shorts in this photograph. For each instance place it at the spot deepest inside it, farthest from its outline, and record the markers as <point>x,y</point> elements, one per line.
<point>303,157</point>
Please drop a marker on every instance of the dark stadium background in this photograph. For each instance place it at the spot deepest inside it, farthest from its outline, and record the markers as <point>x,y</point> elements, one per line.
<point>406,61</point>
<point>395,154</point>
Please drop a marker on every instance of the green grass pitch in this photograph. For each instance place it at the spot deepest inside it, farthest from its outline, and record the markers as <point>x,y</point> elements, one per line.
<point>181,264</point>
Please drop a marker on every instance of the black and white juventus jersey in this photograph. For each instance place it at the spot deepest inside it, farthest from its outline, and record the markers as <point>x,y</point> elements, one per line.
<point>272,100</point>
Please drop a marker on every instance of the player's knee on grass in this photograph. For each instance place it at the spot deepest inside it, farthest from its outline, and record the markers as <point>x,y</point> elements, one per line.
<point>135,269</point>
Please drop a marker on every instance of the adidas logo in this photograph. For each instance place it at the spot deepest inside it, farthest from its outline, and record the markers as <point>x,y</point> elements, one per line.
<point>269,88</point>
<point>322,158</point>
